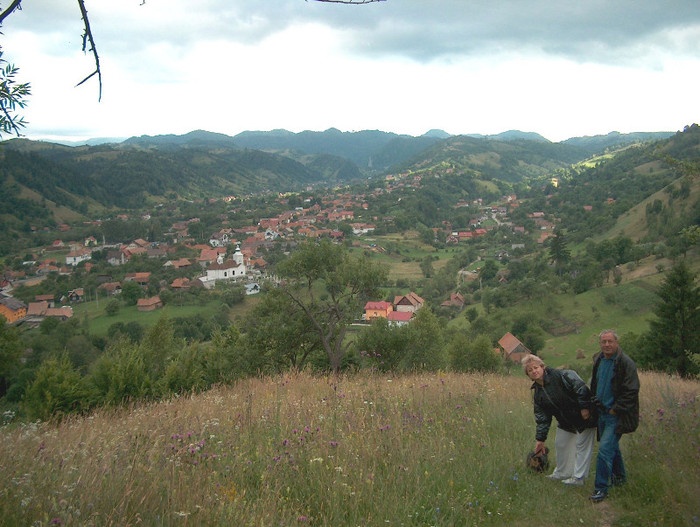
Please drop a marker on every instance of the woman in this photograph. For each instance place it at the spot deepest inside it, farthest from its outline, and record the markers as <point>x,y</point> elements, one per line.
<point>562,394</point>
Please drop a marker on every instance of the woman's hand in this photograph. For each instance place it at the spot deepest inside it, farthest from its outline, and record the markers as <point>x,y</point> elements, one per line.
<point>586,414</point>
<point>539,447</point>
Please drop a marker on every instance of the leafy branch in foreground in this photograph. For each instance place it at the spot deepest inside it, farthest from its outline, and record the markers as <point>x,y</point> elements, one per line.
<point>12,96</point>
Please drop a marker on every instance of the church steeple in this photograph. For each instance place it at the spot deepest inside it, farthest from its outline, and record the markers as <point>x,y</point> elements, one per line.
<point>238,255</point>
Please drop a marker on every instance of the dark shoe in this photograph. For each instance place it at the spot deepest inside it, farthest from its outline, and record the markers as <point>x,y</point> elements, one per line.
<point>598,496</point>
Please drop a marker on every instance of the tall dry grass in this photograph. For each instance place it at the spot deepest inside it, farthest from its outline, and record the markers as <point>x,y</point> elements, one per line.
<point>423,449</point>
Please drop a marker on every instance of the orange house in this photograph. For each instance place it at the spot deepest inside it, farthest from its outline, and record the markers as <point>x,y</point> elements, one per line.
<point>377,309</point>
<point>12,309</point>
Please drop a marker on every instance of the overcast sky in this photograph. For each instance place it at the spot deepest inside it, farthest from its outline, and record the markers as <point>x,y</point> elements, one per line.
<point>561,68</point>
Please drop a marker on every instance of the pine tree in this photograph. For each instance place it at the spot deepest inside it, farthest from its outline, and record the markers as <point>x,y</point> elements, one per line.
<point>675,333</point>
<point>558,251</point>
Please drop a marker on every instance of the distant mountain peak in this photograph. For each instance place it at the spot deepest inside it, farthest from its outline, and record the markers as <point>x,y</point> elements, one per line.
<point>436,132</point>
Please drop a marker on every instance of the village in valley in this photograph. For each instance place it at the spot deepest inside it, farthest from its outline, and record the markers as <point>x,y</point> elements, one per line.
<point>238,254</point>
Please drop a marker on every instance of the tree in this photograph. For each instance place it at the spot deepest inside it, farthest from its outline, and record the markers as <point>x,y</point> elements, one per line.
<point>221,357</point>
<point>10,353</point>
<point>381,345</point>
<point>120,374</point>
<point>475,355</point>
<point>57,390</point>
<point>488,272</point>
<point>330,288</point>
<point>279,335</point>
<point>558,251</point>
<point>675,333</point>
<point>112,307</point>
<point>426,266</point>
<point>424,343</point>
<point>131,292</point>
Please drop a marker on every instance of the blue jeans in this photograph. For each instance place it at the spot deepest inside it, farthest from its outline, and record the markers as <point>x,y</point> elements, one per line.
<point>609,465</point>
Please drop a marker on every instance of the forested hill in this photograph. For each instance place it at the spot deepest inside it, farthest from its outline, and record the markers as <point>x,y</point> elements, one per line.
<point>38,178</point>
<point>511,161</point>
<point>126,176</point>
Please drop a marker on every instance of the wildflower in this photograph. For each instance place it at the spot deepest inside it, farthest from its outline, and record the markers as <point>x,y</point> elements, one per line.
<point>333,443</point>
<point>302,519</point>
<point>56,521</point>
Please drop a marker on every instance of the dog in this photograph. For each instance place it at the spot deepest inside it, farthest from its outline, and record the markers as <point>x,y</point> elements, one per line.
<point>538,462</point>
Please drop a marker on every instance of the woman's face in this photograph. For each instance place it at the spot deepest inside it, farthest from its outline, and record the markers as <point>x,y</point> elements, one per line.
<point>535,371</point>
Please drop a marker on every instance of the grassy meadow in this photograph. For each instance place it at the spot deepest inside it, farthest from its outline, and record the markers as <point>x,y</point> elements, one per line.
<point>438,449</point>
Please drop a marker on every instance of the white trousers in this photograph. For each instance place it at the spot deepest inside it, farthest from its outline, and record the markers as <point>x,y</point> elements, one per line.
<point>574,453</point>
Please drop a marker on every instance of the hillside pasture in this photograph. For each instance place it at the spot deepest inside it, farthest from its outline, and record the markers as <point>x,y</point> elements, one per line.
<point>100,322</point>
<point>625,308</point>
<point>426,449</point>
<point>633,223</point>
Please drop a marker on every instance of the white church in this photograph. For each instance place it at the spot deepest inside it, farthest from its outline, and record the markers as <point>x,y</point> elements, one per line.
<point>231,269</point>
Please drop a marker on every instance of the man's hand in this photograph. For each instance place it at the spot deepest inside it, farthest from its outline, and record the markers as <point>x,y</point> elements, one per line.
<point>586,414</point>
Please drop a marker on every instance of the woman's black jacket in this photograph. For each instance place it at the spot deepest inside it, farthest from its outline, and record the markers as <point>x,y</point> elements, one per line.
<point>563,395</point>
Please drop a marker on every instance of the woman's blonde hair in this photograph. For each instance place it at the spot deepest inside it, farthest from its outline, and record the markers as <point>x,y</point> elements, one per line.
<point>529,359</point>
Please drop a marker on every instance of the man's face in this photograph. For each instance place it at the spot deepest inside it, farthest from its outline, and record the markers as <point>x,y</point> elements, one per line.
<point>608,344</point>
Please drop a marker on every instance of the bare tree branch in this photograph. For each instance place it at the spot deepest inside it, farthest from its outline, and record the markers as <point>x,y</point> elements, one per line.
<point>7,12</point>
<point>87,36</point>
<point>13,95</point>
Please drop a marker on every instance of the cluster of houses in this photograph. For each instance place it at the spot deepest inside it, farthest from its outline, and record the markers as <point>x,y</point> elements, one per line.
<point>14,310</point>
<point>398,312</point>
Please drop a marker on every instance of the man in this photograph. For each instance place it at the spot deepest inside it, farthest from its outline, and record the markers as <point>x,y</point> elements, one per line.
<point>616,386</point>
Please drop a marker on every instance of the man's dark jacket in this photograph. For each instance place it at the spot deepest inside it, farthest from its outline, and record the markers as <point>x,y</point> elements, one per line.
<point>563,395</point>
<point>625,389</point>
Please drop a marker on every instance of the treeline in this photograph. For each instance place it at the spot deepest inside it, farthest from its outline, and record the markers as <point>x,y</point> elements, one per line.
<point>156,363</point>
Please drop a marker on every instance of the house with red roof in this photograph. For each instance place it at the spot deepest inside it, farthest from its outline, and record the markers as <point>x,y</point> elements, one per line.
<point>400,318</point>
<point>408,303</point>
<point>512,349</point>
<point>379,309</point>
<point>149,304</point>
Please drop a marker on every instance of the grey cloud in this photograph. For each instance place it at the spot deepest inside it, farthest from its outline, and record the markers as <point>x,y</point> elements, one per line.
<point>422,30</point>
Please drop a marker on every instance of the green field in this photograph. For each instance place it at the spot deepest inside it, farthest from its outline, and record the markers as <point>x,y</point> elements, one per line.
<point>432,449</point>
<point>100,322</point>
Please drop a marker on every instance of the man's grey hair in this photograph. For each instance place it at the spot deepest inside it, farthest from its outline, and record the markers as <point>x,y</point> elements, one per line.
<point>608,331</point>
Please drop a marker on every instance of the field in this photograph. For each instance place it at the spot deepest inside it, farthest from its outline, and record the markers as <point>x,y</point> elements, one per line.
<point>404,263</point>
<point>100,322</point>
<point>427,449</point>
